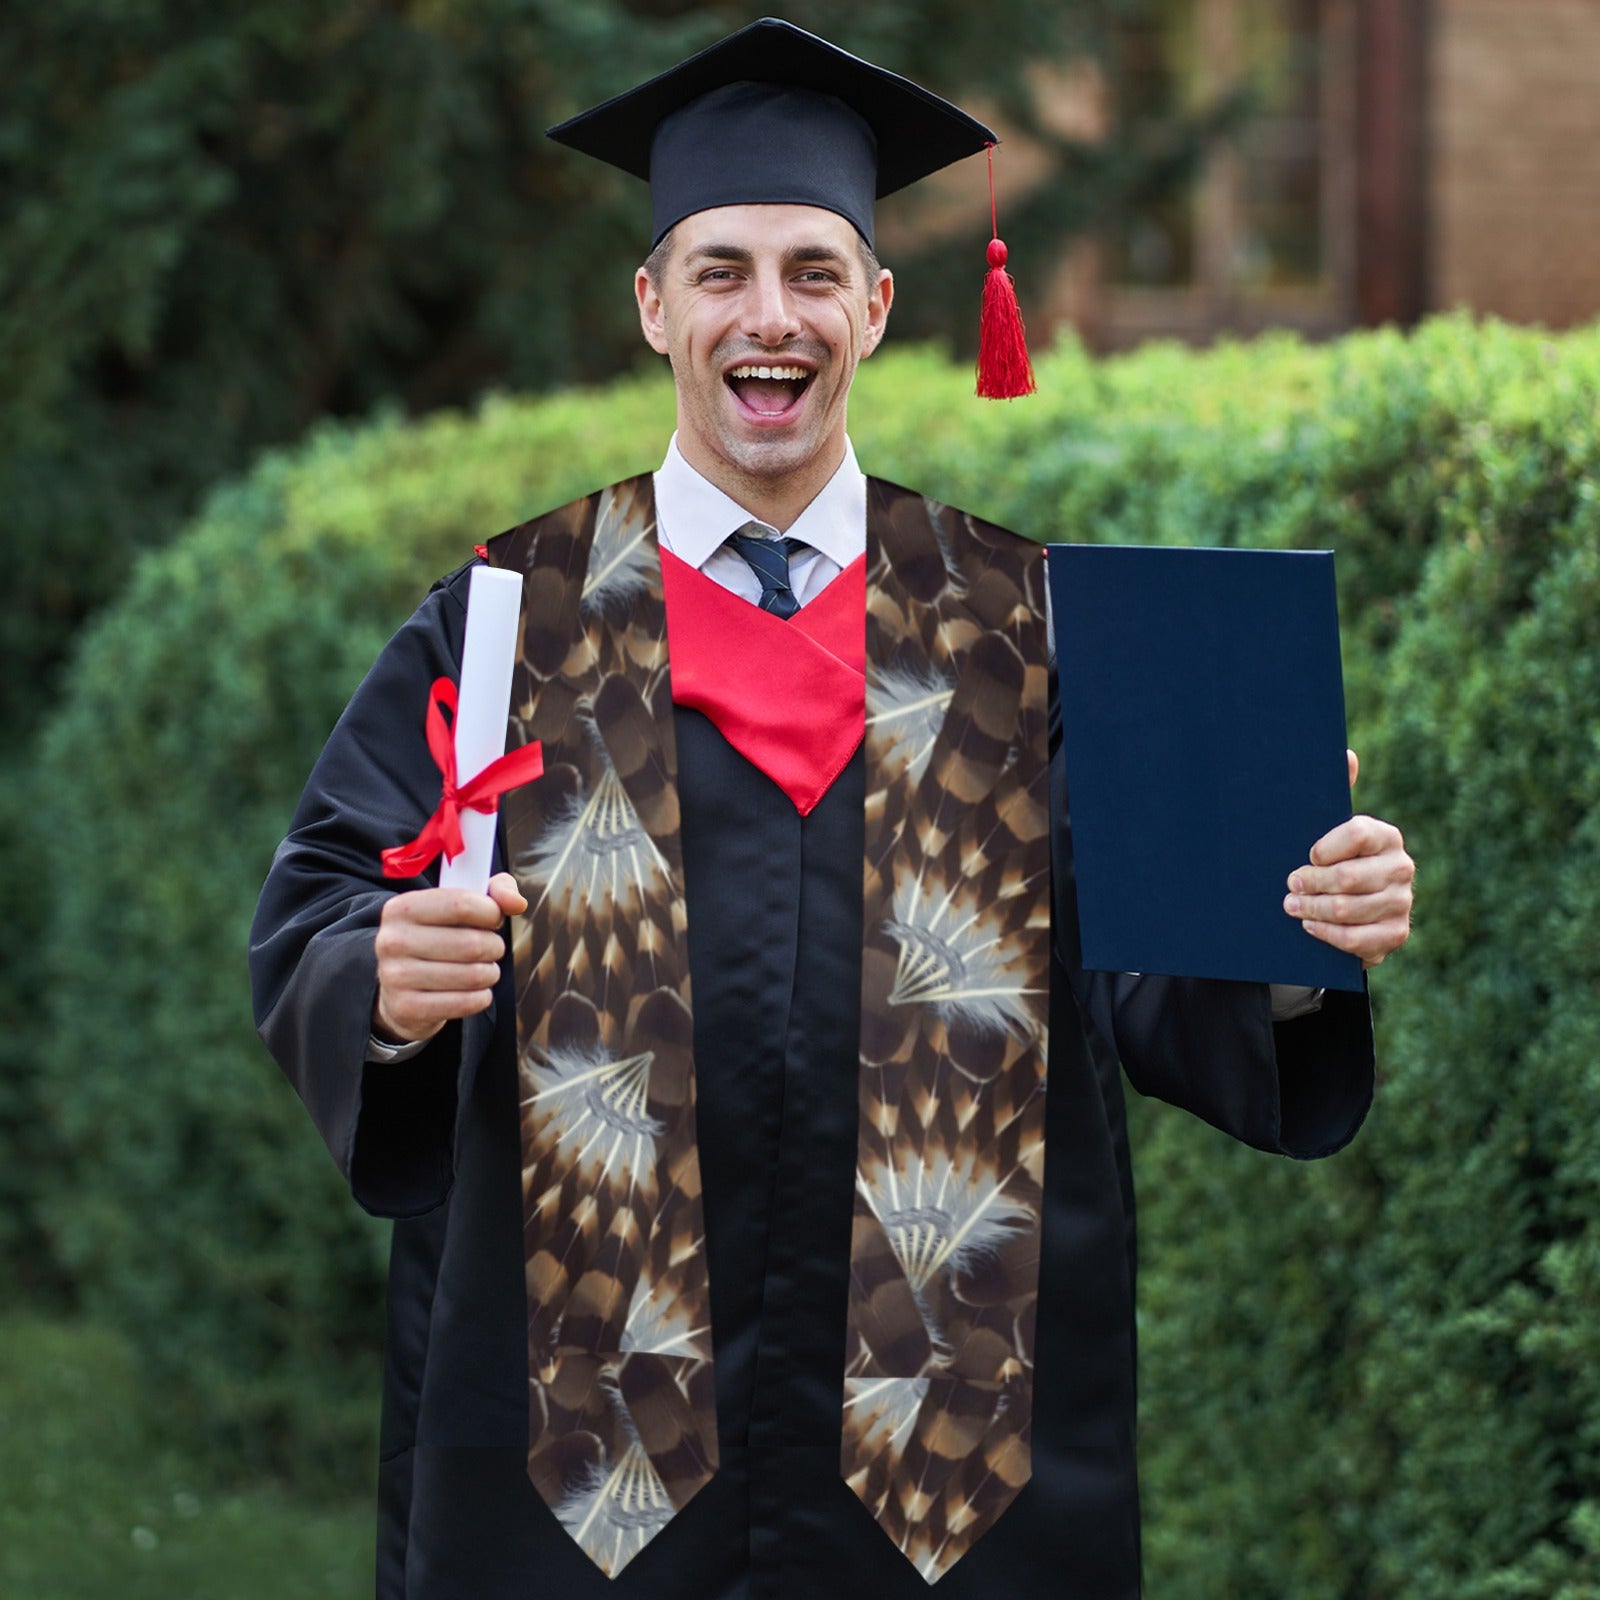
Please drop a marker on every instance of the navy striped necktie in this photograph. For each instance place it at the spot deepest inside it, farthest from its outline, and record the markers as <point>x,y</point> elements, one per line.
<point>768,558</point>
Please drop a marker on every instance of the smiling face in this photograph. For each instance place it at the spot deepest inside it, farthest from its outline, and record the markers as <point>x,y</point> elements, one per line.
<point>764,311</point>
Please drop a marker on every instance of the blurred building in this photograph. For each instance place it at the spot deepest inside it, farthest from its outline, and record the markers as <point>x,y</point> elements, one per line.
<point>1400,157</point>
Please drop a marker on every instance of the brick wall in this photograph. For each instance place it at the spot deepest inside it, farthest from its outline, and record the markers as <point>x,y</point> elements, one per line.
<point>1514,162</point>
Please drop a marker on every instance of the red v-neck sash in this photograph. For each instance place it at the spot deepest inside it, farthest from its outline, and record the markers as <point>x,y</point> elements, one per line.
<point>789,696</point>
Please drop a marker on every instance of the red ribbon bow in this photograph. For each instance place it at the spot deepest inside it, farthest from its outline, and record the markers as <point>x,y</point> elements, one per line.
<point>442,831</point>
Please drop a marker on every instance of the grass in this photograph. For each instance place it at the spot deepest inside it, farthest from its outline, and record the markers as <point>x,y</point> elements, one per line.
<point>92,1504</point>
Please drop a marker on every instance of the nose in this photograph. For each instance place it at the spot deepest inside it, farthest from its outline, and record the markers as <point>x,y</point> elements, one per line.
<point>771,318</point>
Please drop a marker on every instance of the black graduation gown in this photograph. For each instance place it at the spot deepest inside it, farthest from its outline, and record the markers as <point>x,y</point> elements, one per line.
<point>774,904</point>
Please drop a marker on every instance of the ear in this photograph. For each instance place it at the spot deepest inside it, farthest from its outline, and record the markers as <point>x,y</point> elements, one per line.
<point>879,299</point>
<point>652,315</point>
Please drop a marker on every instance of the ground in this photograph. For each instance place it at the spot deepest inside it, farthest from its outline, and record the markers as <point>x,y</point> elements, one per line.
<point>90,1507</point>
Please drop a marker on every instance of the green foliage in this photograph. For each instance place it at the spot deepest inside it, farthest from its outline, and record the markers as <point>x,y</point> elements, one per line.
<point>1388,1389</point>
<point>25,1153</point>
<point>95,1501</point>
<point>1368,1379</point>
<point>193,1212</point>
<point>220,224</point>
<point>1497,760</point>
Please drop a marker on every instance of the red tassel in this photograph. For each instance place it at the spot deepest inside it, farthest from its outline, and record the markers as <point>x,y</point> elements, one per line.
<point>1004,370</point>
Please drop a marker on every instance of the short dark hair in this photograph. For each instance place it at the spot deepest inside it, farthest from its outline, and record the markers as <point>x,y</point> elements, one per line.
<point>656,262</point>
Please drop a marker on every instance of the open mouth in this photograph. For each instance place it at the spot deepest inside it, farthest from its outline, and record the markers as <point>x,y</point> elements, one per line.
<point>769,391</point>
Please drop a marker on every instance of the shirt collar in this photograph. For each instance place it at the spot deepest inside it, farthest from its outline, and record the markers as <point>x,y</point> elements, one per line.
<point>695,517</point>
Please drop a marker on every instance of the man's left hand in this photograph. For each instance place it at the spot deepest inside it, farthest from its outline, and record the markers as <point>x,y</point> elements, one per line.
<point>1355,892</point>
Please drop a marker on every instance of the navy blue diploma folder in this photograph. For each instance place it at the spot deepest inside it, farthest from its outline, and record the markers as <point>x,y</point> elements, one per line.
<point>1202,715</point>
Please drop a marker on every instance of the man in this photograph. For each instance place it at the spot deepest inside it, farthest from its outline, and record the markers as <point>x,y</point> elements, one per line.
<point>701,1288</point>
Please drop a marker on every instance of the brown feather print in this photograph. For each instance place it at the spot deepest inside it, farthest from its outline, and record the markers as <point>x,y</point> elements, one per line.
<point>622,1416</point>
<point>944,1269</point>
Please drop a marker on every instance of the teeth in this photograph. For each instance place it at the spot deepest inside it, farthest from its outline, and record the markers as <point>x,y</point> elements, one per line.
<point>798,374</point>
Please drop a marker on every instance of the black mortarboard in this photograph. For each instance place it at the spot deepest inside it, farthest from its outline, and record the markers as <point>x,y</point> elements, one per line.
<point>774,115</point>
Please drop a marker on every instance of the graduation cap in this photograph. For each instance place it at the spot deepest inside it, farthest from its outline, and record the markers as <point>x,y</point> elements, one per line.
<point>773,115</point>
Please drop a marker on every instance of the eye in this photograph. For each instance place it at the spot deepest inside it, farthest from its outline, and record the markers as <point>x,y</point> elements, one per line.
<point>718,275</point>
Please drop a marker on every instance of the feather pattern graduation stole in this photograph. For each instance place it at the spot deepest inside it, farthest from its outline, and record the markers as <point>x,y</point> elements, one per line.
<point>944,1254</point>
<point>622,1425</point>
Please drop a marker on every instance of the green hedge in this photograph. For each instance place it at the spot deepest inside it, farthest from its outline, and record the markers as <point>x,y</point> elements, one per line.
<point>1374,1377</point>
<point>192,1204</point>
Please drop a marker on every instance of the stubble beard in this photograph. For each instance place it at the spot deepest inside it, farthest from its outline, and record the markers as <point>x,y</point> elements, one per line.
<point>761,459</point>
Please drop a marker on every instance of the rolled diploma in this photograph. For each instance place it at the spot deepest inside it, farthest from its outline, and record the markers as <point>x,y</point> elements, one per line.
<point>494,603</point>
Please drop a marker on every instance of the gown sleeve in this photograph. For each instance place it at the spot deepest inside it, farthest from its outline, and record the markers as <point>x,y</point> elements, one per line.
<point>313,964</point>
<point>1300,1088</point>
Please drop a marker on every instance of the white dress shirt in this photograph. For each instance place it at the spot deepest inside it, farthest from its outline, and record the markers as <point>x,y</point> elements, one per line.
<point>694,518</point>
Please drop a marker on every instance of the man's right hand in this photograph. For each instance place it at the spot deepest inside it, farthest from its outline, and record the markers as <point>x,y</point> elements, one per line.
<point>439,952</point>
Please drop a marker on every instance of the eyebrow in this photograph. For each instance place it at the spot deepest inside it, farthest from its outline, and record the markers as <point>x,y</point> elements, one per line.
<point>823,254</point>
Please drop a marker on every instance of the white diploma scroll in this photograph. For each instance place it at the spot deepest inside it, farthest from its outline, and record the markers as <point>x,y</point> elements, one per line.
<point>494,603</point>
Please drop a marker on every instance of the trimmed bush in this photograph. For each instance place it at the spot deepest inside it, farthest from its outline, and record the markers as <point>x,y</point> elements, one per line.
<point>1373,1377</point>
<point>194,1206</point>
